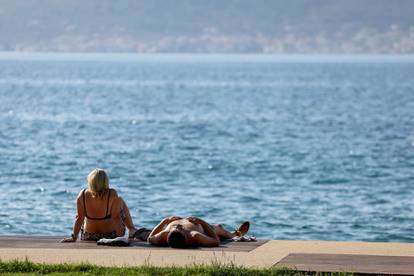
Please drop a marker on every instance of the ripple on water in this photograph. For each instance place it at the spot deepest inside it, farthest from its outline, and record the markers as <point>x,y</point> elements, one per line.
<point>330,181</point>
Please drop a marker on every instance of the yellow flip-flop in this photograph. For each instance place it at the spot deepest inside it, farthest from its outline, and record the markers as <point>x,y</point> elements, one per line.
<point>243,229</point>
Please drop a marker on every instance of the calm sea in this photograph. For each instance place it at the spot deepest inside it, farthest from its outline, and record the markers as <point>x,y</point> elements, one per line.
<point>303,147</point>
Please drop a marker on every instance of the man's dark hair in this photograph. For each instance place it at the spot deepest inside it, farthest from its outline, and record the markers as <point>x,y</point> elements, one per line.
<point>176,239</point>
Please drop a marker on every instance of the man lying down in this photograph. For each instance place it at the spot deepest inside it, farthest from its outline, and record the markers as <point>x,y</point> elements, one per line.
<point>180,232</point>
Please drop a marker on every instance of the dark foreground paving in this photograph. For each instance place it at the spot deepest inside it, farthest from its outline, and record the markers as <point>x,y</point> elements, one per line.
<point>369,264</point>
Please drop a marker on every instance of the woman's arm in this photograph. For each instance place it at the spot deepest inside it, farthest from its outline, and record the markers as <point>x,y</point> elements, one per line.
<point>80,218</point>
<point>116,209</point>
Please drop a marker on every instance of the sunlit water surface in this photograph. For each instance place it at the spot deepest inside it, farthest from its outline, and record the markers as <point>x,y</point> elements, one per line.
<point>303,148</point>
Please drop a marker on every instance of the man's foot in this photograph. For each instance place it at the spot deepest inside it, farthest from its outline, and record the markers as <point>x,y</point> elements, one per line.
<point>243,229</point>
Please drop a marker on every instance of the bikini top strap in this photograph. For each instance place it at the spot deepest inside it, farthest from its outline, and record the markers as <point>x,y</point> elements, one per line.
<point>107,203</point>
<point>84,202</point>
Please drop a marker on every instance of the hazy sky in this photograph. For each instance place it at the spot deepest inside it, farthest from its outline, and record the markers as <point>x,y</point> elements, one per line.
<point>262,26</point>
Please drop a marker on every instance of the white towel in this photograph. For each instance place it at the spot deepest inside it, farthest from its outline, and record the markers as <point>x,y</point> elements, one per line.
<point>119,241</point>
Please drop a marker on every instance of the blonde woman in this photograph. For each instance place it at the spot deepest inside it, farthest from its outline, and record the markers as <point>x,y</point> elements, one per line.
<point>101,213</point>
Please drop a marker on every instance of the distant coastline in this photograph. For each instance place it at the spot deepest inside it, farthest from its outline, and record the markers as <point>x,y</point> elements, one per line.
<point>204,57</point>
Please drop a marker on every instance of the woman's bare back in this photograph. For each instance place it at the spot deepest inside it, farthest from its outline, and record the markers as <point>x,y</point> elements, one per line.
<point>100,212</point>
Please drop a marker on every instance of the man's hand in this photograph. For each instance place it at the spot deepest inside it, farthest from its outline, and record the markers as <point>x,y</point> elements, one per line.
<point>195,220</point>
<point>171,219</point>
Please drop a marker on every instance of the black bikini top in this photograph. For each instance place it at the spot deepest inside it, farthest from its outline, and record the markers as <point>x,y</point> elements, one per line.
<point>107,216</point>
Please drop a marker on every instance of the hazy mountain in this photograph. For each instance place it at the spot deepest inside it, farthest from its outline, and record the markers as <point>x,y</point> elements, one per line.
<point>277,26</point>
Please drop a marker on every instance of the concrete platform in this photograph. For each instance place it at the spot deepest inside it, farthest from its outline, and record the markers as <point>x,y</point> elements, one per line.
<point>53,242</point>
<point>362,257</point>
<point>347,262</point>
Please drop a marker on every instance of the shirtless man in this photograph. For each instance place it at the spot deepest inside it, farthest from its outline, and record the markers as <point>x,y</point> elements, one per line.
<point>180,232</point>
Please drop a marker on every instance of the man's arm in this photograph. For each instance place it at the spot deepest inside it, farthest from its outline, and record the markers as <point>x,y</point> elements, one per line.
<point>208,229</point>
<point>159,238</point>
<point>156,235</point>
<point>199,239</point>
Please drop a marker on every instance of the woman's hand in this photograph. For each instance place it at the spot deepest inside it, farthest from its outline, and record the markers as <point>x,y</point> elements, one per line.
<point>71,239</point>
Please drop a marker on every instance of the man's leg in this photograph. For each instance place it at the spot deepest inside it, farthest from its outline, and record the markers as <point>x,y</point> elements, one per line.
<point>223,233</point>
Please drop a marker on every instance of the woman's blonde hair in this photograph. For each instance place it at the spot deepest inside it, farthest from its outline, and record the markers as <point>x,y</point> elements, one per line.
<point>98,183</point>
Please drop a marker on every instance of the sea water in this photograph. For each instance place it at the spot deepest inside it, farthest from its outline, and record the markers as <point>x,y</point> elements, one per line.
<point>303,147</point>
